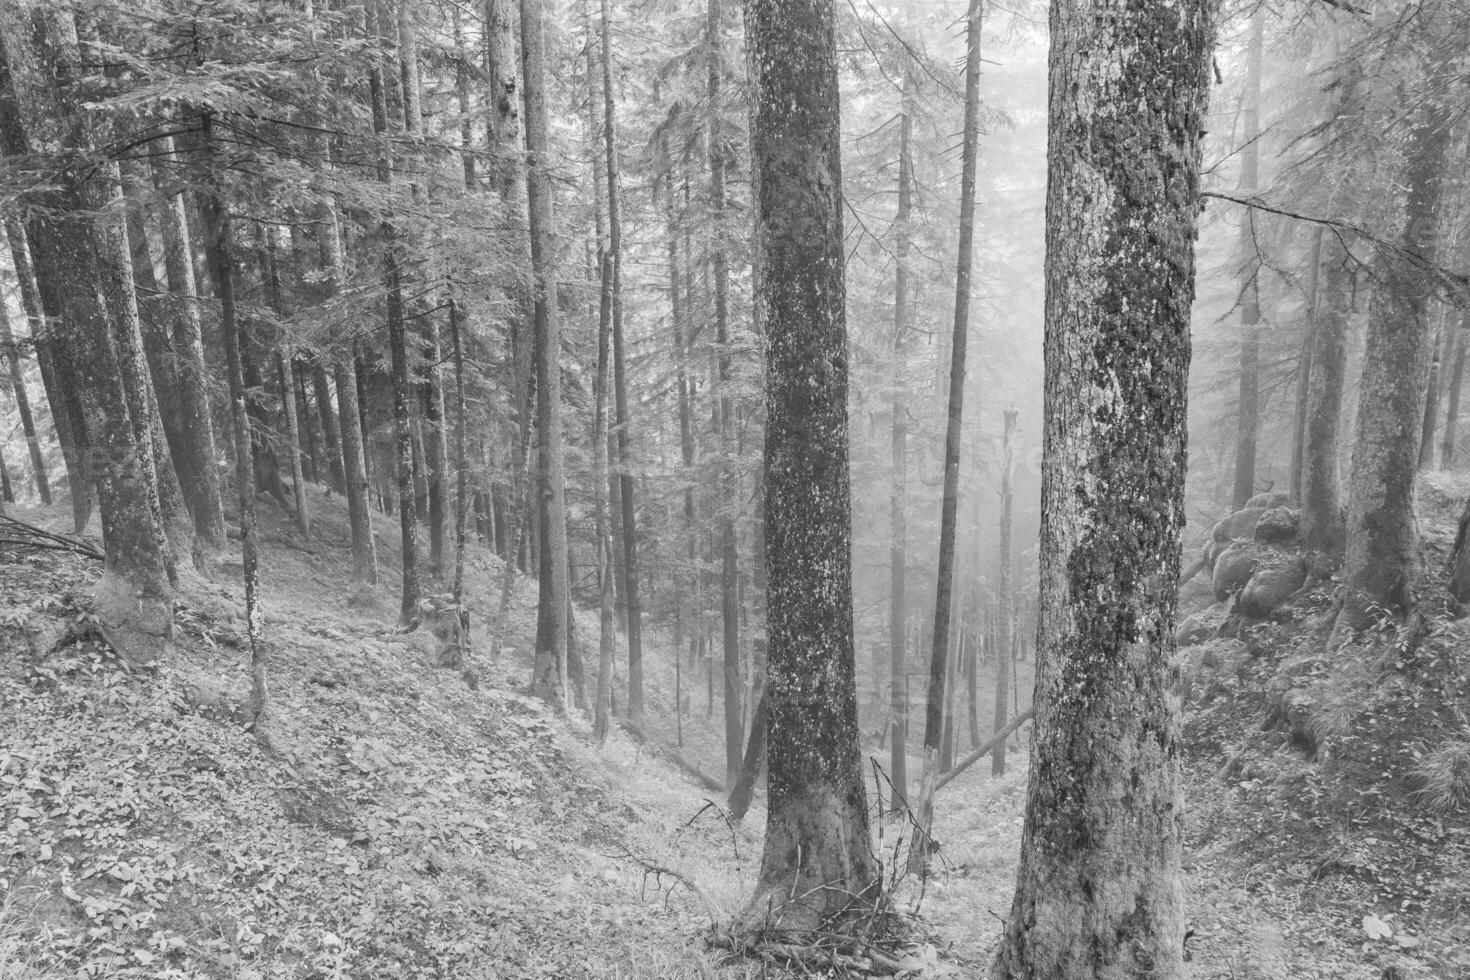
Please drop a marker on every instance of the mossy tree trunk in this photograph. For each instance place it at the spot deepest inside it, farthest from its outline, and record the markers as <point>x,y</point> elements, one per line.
<point>817,858</point>
<point>1321,499</point>
<point>1098,887</point>
<point>1381,562</point>
<point>1248,401</point>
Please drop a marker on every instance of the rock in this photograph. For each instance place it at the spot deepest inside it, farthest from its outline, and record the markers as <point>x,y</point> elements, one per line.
<point>1241,524</point>
<point>1278,526</point>
<point>1233,568</point>
<point>1199,627</point>
<point>1270,588</point>
<point>1269,500</point>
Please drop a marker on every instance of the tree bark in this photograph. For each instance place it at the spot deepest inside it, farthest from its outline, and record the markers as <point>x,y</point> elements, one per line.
<point>134,598</point>
<point>23,407</point>
<point>1441,353</point>
<point>63,397</point>
<point>1381,561</point>
<point>1452,398</point>
<point>196,462</point>
<point>1306,366</point>
<point>1098,888</point>
<point>817,859</point>
<point>899,409</point>
<point>1005,651</point>
<point>944,590</point>
<point>1248,404</point>
<point>550,672</point>
<point>286,377</point>
<point>218,248</point>
<point>1322,523</point>
<point>626,486</point>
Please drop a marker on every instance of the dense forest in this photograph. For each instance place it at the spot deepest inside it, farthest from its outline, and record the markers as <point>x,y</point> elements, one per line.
<point>558,488</point>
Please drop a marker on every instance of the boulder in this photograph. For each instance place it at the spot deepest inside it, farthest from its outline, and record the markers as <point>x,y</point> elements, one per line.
<point>1270,588</point>
<point>1241,524</point>
<point>1278,526</point>
<point>1200,626</point>
<point>1233,568</point>
<point>1269,499</point>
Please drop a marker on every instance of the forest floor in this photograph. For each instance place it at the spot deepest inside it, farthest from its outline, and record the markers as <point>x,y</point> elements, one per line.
<point>396,823</point>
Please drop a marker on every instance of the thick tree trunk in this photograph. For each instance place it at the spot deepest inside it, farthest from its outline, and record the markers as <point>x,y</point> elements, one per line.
<point>899,409</point>
<point>1381,561</point>
<point>1322,524</point>
<point>949,505</point>
<point>550,676</point>
<point>11,348</point>
<point>197,459</point>
<point>1098,888</point>
<point>502,122</point>
<point>1005,651</point>
<point>115,263</point>
<point>134,598</point>
<point>1248,404</point>
<point>408,524</point>
<point>817,859</point>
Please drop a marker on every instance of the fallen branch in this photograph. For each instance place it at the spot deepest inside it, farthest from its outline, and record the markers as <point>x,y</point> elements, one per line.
<point>22,534</point>
<point>985,749</point>
<point>1191,573</point>
<point>711,907</point>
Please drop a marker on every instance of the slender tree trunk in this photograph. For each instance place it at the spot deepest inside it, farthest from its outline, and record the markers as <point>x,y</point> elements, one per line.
<point>503,127</point>
<point>1441,355</point>
<point>354,447</point>
<point>461,648</point>
<point>626,488</point>
<point>1452,397</point>
<point>1306,365</point>
<point>1381,562</point>
<point>197,462</point>
<point>550,677</point>
<point>23,407</point>
<point>1098,888</point>
<point>1004,653</point>
<point>321,387</point>
<point>817,858</point>
<point>898,526</point>
<point>218,248</point>
<point>1322,526</point>
<point>743,789</point>
<point>286,376</point>
<point>1248,405</point>
<point>944,591</point>
<point>63,398</point>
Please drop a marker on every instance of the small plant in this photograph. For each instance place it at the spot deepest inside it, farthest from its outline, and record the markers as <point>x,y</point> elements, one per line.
<point>1446,776</point>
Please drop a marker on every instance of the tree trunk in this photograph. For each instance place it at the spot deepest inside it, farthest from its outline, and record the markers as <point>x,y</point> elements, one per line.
<point>1322,523</point>
<point>23,407</point>
<point>321,388</point>
<point>115,263</point>
<point>63,398</point>
<point>1248,405</point>
<point>1452,397</point>
<point>349,413</point>
<point>196,462</point>
<point>1441,355</point>
<point>1306,365</point>
<point>461,646</point>
<point>944,591</point>
<point>134,598</point>
<point>550,676</point>
<point>502,121</point>
<point>1098,889</point>
<point>620,382</point>
<point>817,859</point>
<point>1381,561</point>
<point>743,789</point>
<point>408,525</point>
<point>898,526</point>
<point>218,248</point>
<point>1004,653</point>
